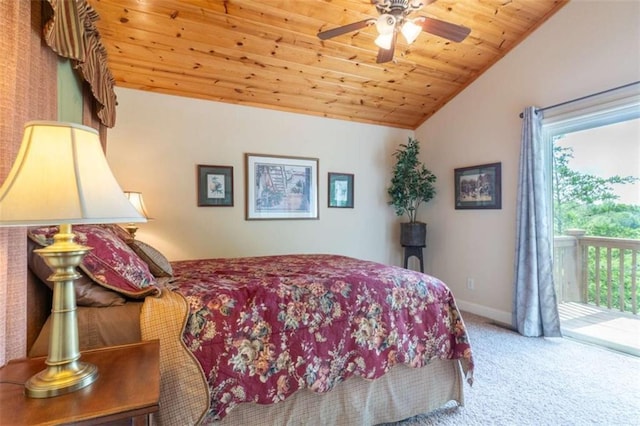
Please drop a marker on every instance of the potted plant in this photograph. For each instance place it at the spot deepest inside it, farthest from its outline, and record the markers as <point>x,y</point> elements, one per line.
<point>411,185</point>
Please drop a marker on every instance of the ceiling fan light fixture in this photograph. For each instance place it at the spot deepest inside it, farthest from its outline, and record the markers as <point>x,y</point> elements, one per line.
<point>393,19</point>
<point>385,24</point>
<point>410,30</point>
<point>384,41</point>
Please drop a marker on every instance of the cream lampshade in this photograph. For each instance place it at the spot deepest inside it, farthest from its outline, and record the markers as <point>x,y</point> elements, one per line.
<point>135,198</point>
<point>61,177</point>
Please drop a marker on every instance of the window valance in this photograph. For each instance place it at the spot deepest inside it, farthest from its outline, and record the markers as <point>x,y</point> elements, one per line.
<point>71,33</point>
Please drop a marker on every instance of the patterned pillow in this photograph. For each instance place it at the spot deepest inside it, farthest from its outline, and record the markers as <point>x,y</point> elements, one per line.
<point>88,293</point>
<point>110,263</point>
<point>157,262</point>
<point>119,232</point>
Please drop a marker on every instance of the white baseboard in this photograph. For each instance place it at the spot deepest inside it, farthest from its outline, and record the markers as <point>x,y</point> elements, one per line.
<point>484,311</point>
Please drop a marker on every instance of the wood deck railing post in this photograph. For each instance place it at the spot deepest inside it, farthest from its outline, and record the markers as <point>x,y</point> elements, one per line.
<point>561,253</point>
<point>579,255</point>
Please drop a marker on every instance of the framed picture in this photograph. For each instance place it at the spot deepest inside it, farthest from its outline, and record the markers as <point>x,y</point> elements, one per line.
<point>479,187</point>
<point>215,186</point>
<point>340,190</point>
<point>280,187</point>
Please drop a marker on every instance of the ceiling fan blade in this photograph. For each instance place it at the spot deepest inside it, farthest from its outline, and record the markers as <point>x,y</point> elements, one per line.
<point>324,35</point>
<point>444,29</point>
<point>386,55</point>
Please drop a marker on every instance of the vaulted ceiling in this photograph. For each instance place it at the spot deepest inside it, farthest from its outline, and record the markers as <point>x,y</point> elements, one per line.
<point>266,53</point>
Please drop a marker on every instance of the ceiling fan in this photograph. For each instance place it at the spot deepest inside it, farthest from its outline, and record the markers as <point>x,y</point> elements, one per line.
<point>394,18</point>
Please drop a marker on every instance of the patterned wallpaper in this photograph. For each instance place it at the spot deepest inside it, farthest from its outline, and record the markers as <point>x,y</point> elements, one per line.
<point>27,92</point>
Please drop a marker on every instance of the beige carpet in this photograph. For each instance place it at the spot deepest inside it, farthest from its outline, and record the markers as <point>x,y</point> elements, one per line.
<point>540,381</point>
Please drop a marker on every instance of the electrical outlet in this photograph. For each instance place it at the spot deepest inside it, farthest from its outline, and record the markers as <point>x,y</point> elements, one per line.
<point>471,285</point>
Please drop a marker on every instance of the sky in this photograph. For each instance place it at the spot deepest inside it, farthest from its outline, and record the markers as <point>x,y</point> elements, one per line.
<point>607,151</point>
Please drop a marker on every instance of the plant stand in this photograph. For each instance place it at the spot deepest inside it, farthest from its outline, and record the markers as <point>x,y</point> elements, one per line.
<point>413,251</point>
<point>413,236</point>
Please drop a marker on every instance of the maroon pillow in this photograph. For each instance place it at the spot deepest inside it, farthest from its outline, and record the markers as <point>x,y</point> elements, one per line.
<point>119,232</point>
<point>110,263</point>
<point>88,293</point>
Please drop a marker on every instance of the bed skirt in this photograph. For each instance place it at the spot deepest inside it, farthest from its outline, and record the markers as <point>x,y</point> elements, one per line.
<point>401,393</point>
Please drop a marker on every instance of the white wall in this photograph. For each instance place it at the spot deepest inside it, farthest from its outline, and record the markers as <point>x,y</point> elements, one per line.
<point>158,140</point>
<point>587,47</point>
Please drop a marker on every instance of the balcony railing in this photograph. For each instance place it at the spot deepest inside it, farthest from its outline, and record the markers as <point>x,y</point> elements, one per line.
<point>601,271</point>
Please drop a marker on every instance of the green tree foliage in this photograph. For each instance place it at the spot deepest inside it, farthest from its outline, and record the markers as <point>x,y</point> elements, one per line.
<point>586,201</point>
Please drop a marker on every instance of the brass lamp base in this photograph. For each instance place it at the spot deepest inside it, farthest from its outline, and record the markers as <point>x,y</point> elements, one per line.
<point>60,379</point>
<point>64,372</point>
<point>131,228</point>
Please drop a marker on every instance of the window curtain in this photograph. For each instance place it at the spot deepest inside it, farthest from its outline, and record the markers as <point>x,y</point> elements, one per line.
<point>27,92</point>
<point>71,33</point>
<point>535,310</point>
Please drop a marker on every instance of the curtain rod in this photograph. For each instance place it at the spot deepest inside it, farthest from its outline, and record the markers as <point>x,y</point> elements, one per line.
<point>584,97</point>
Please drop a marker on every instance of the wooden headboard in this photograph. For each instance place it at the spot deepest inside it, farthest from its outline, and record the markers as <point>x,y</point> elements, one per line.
<point>38,306</point>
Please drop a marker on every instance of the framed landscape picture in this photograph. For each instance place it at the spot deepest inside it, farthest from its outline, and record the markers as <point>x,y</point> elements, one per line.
<point>280,187</point>
<point>478,187</point>
<point>215,186</point>
<point>340,190</point>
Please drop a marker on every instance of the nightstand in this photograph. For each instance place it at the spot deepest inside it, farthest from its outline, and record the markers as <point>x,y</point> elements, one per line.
<point>127,390</point>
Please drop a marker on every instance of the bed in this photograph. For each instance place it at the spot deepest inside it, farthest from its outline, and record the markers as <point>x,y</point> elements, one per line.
<point>295,339</point>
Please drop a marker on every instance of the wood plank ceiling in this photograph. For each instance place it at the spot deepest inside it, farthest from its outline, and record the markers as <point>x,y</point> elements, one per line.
<point>265,53</point>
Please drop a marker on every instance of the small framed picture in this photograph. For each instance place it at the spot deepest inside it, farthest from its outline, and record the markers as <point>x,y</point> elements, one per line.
<point>340,190</point>
<point>478,187</point>
<point>215,186</point>
<point>281,187</point>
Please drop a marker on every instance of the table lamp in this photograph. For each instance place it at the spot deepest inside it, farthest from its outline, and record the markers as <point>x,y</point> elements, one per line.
<point>135,198</point>
<point>61,177</point>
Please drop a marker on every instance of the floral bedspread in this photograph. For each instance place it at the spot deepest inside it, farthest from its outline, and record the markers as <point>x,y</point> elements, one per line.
<point>265,327</point>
